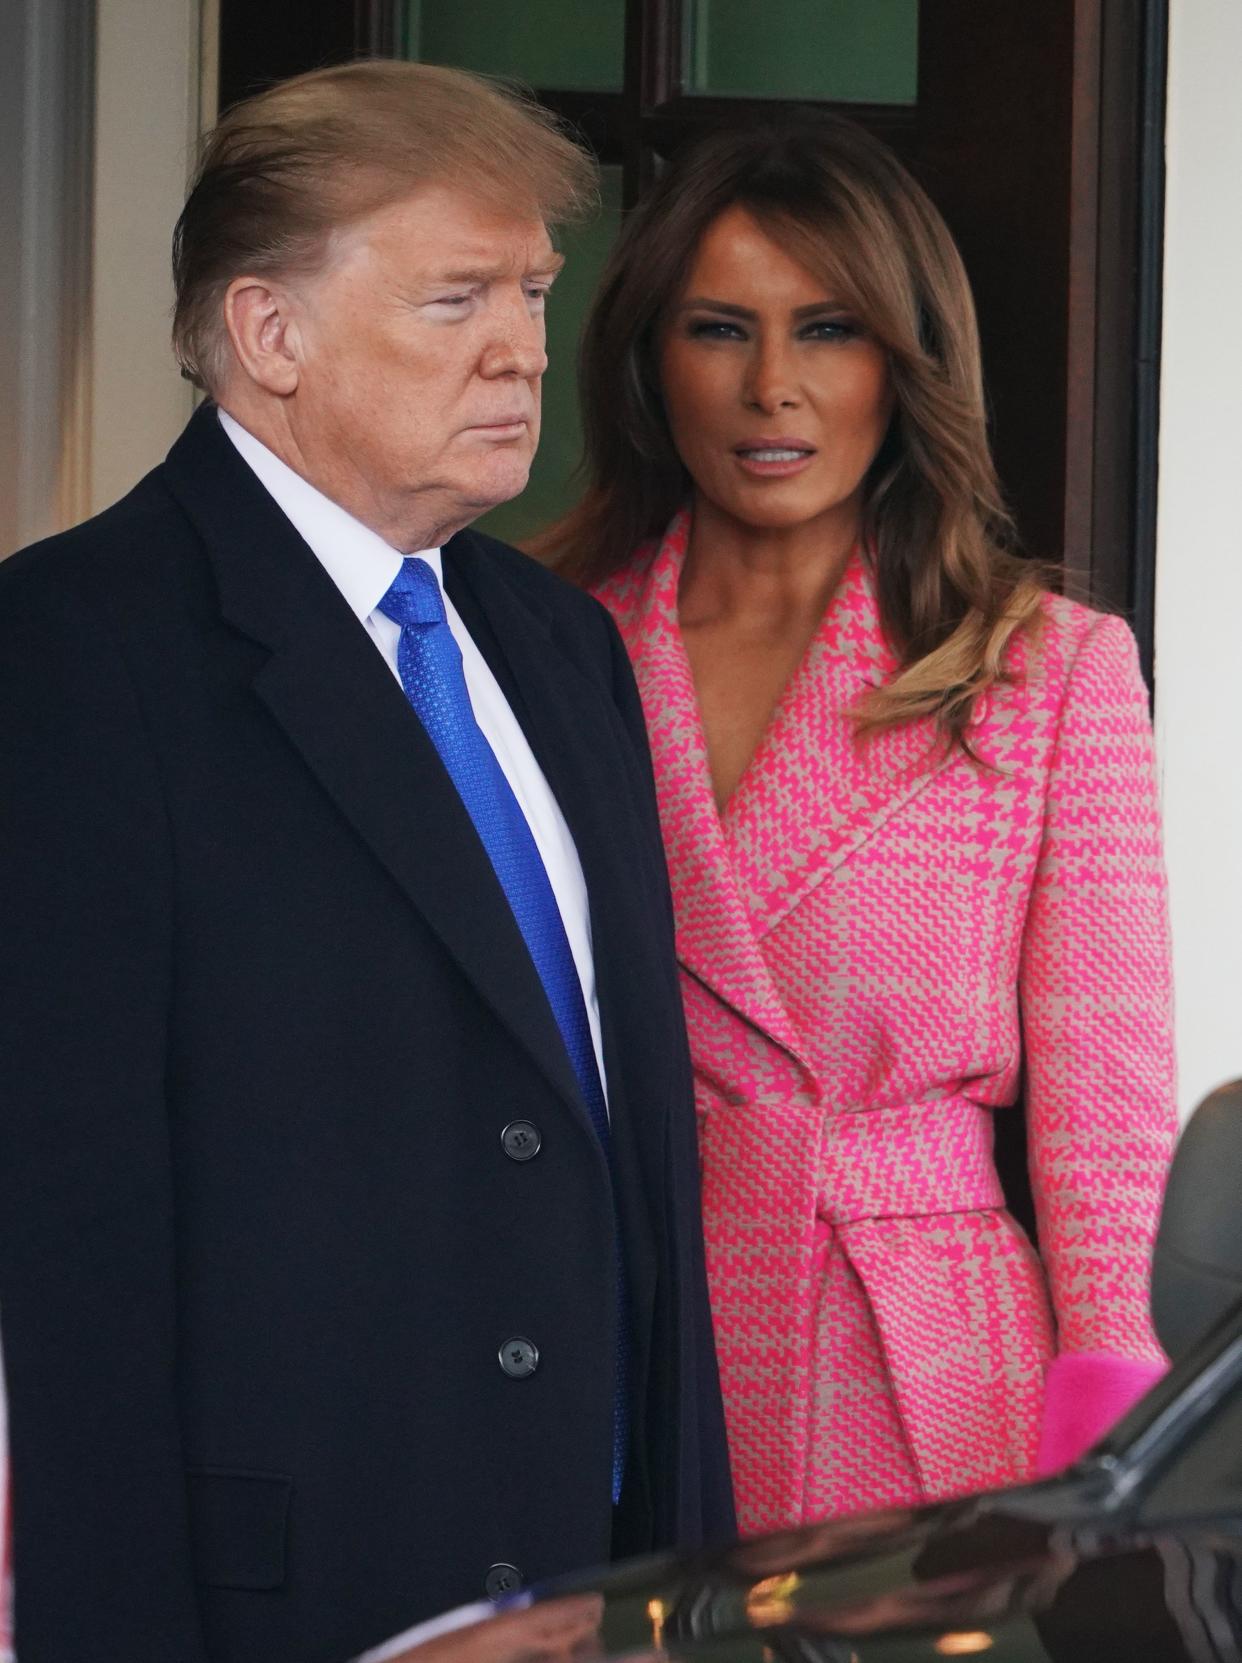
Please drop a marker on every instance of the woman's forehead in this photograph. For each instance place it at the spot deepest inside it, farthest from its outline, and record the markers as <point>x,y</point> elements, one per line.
<point>773,258</point>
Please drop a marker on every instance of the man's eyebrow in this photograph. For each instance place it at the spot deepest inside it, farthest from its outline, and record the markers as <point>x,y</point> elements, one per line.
<point>701,303</point>
<point>488,274</point>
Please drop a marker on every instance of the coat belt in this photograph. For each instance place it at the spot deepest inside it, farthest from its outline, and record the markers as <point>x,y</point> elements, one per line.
<point>906,1161</point>
<point>779,1190</point>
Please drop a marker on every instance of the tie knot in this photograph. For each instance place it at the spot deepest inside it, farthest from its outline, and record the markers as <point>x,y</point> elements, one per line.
<point>414,597</point>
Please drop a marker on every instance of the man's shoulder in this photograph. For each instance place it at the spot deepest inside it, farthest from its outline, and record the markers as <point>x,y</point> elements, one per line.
<point>534,581</point>
<point>144,526</point>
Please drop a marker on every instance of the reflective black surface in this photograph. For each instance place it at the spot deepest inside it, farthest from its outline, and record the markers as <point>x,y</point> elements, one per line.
<point>1135,1555</point>
<point>897,1590</point>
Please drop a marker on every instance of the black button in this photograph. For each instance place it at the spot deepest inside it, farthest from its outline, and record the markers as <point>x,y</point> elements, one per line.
<point>519,1358</point>
<point>502,1579</point>
<point>520,1140</point>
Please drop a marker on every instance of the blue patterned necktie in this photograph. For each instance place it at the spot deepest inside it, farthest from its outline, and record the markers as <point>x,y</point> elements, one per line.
<point>429,661</point>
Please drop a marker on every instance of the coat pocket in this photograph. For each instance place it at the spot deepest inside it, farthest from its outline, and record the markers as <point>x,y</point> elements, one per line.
<point>239,1526</point>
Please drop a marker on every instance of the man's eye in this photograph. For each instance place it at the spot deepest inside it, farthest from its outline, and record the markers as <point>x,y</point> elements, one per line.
<point>452,300</point>
<point>538,297</point>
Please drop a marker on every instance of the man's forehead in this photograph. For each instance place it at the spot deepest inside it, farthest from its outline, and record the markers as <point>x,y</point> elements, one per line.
<point>448,233</point>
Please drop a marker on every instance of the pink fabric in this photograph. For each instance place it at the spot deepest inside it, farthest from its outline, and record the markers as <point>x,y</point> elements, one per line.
<point>1086,1394</point>
<point>864,935</point>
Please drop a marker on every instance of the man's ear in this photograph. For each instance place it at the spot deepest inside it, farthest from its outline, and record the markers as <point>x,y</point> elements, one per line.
<point>259,320</point>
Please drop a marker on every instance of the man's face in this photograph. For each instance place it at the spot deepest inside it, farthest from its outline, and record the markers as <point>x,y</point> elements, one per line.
<point>420,351</point>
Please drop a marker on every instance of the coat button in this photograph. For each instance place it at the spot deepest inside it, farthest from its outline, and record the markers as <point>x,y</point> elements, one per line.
<point>502,1579</point>
<point>519,1358</point>
<point>520,1140</point>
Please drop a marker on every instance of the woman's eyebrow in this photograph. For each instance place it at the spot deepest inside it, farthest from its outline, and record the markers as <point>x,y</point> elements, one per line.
<point>702,303</point>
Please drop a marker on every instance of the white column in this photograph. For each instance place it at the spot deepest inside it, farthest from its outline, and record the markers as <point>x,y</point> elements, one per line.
<point>147,119</point>
<point>46,119</point>
<point>1199,548</point>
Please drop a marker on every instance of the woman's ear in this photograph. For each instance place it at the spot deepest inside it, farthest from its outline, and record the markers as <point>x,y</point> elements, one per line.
<point>258,316</point>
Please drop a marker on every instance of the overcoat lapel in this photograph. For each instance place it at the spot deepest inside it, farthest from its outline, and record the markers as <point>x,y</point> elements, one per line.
<point>330,691</point>
<point>715,937</point>
<point>576,735</point>
<point>815,792</point>
<point>813,795</point>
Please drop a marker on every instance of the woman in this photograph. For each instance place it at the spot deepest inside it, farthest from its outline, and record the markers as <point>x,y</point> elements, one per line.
<point>910,814</point>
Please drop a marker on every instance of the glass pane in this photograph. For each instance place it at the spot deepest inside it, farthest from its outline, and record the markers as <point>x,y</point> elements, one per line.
<point>552,487</point>
<point>545,43</point>
<point>845,51</point>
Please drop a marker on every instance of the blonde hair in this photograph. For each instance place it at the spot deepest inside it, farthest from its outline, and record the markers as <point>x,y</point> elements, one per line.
<point>285,169</point>
<point>951,592</point>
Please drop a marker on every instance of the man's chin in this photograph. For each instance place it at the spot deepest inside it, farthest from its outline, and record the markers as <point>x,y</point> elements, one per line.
<point>485,494</point>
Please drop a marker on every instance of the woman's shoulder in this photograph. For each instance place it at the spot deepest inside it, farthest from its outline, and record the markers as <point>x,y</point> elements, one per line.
<point>1067,640</point>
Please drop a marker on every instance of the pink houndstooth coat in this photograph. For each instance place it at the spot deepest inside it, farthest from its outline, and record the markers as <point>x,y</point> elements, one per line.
<point>871,938</point>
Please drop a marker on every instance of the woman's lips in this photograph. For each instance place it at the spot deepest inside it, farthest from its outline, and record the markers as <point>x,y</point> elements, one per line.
<point>774,460</point>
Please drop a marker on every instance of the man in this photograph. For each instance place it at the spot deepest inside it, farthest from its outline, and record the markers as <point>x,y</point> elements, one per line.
<point>348,1236</point>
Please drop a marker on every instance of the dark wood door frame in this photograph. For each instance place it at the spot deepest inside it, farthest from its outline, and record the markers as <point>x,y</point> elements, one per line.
<point>262,41</point>
<point>1039,132</point>
<point>1053,184</point>
<point>1128,214</point>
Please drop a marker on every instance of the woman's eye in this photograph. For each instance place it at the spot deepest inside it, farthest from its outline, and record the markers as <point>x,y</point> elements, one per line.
<point>831,329</point>
<point>712,329</point>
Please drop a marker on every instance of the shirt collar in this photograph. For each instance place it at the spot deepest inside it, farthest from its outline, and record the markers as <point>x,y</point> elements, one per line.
<point>360,563</point>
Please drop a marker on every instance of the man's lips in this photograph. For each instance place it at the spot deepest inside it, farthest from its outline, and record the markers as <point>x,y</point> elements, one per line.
<point>519,419</point>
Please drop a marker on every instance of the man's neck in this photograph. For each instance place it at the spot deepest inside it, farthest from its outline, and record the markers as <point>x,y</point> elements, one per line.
<point>270,423</point>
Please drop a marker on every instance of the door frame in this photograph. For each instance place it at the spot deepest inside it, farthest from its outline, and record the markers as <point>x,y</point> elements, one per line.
<point>1071,337</point>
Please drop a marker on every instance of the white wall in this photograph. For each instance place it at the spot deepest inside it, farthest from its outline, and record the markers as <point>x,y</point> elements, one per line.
<point>147,117</point>
<point>1199,548</point>
<point>46,125</point>
<point>100,104</point>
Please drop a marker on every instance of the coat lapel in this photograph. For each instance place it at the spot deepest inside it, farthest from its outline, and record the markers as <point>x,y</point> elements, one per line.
<point>339,705</point>
<point>814,793</point>
<point>715,935</point>
<point>577,737</point>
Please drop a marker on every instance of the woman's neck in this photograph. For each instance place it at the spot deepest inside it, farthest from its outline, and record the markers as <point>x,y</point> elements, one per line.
<point>770,577</point>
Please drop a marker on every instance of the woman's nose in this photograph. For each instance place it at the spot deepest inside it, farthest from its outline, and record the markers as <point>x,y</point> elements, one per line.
<point>771,383</point>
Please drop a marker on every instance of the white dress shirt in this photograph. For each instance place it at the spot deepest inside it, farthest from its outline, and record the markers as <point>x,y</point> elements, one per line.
<point>363,567</point>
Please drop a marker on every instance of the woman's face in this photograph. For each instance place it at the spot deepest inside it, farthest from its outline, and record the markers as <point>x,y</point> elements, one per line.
<point>777,398</point>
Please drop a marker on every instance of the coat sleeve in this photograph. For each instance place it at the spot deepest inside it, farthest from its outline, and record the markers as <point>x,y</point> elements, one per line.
<point>100,1539</point>
<point>1096,998</point>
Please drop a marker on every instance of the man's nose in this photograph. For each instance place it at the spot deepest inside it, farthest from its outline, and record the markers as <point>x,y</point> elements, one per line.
<point>771,381</point>
<point>516,346</point>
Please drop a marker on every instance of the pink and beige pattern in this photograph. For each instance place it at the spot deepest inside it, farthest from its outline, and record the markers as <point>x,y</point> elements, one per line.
<point>871,936</point>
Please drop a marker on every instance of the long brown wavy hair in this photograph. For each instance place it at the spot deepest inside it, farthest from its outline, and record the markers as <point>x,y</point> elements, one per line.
<point>952,592</point>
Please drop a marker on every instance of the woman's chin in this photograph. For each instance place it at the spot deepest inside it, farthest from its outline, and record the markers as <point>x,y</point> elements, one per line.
<point>775,512</point>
